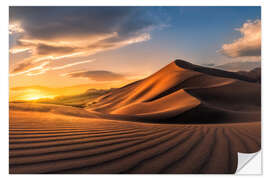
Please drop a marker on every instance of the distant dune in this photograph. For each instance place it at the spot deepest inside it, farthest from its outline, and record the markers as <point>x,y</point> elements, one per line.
<point>240,66</point>
<point>182,119</point>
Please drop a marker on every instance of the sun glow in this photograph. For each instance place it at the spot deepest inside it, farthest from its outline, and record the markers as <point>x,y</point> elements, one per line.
<point>34,94</point>
<point>32,97</point>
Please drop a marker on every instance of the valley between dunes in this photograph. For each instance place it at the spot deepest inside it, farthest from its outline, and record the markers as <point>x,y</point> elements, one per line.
<point>182,119</point>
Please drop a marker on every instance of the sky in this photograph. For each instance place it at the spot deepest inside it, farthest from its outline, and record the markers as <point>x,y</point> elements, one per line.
<point>108,47</point>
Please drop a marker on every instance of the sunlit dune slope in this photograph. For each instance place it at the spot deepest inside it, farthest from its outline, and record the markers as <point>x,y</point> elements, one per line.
<point>187,93</point>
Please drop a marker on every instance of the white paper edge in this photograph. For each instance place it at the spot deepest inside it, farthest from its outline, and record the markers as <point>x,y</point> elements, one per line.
<point>249,164</point>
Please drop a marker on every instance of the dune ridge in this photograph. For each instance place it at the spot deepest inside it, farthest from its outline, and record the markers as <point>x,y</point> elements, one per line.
<point>183,89</point>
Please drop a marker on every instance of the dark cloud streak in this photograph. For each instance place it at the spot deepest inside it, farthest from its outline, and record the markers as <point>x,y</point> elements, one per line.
<point>98,75</point>
<point>46,49</point>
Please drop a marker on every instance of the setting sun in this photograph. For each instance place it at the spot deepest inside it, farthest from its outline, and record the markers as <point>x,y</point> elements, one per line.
<point>34,94</point>
<point>36,97</point>
<point>31,97</point>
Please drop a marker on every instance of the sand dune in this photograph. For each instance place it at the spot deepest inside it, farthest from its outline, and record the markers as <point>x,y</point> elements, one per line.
<point>181,87</point>
<point>182,119</point>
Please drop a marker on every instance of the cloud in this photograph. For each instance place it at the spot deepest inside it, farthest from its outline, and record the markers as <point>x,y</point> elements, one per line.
<point>29,68</point>
<point>97,75</point>
<point>18,50</point>
<point>249,44</point>
<point>71,64</point>
<point>59,22</point>
<point>43,49</point>
<point>41,67</point>
<point>15,28</point>
<point>23,66</point>
<point>51,33</point>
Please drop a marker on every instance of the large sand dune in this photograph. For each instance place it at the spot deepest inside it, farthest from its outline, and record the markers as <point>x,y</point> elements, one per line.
<point>182,119</point>
<point>182,89</point>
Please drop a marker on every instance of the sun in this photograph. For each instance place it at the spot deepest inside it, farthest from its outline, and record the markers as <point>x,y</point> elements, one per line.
<point>36,95</point>
<point>34,98</point>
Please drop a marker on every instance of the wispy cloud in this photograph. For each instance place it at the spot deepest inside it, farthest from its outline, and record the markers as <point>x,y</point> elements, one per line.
<point>33,70</point>
<point>29,68</point>
<point>71,64</point>
<point>17,50</point>
<point>247,45</point>
<point>15,28</point>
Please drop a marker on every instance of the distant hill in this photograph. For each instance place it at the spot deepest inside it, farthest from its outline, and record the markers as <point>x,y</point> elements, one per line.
<point>240,66</point>
<point>254,73</point>
<point>76,100</point>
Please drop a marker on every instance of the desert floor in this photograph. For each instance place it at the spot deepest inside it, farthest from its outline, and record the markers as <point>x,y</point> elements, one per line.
<point>56,142</point>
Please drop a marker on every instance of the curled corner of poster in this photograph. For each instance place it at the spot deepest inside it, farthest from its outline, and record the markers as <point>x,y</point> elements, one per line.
<point>249,164</point>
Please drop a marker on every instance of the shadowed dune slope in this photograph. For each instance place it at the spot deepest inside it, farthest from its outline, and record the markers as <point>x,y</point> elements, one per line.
<point>188,93</point>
